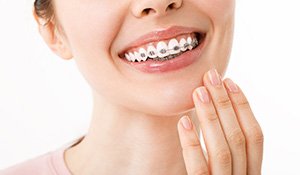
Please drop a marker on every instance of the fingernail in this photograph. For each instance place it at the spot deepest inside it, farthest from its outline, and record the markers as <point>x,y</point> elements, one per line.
<point>214,77</point>
<point>231,86</point>
<point>186,123</point>
<point>203,94</point>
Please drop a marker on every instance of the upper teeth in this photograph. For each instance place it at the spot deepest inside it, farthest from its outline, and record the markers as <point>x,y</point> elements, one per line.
<point>162,49</point>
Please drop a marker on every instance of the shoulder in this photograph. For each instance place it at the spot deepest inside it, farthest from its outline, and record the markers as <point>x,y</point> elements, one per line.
<point>50,163</point>
<point>40,165</point>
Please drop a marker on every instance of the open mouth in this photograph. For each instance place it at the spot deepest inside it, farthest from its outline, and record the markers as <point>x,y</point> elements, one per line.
<point>165,49</point>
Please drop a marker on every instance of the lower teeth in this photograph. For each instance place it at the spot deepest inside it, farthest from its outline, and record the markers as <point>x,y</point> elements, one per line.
<point>167,57</point>
<point>173,56</point>
<point>164,58</point>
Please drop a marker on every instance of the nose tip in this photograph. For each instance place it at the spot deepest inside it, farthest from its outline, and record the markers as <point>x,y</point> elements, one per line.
<point>155,7</point>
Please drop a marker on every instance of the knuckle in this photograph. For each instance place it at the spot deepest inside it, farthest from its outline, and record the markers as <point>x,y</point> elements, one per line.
<point>224,102</point>
<point>192,146</point>
<point>242,103</point>
<point>237,138</point>
<point>224,157</point>
<point>211,115</point>
<point>256,135</point>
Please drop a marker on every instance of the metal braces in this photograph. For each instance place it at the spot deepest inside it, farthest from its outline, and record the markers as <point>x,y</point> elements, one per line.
<point>186,45</point>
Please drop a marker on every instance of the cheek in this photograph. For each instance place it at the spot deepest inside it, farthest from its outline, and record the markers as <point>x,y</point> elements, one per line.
<point>90,27</point>
<point>221,14</point>
<point>217,10</point>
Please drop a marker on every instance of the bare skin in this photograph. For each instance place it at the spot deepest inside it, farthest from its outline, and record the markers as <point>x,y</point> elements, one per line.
<point>232,135</point>
<point>134,131</point>
<point>229,127</point>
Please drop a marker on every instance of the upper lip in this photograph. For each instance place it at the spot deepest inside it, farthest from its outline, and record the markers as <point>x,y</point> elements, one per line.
<point>158,35</point>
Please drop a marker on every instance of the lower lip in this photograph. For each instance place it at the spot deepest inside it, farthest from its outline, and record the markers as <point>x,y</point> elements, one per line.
<point>183,60</point>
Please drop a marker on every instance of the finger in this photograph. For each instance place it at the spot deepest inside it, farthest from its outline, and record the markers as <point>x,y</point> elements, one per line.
<point>191,148</point>
<point>229,122</point>
<point>219,158</point>
<point>249,125</point>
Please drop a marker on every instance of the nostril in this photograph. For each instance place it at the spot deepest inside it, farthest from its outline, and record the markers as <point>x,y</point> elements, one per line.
<point>146,11</point>
<point>171,6</point>
<point>160,8</point>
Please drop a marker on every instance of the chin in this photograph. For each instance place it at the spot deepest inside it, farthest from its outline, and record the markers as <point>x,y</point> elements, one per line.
<point>169,103</point>
<point>167,109</point>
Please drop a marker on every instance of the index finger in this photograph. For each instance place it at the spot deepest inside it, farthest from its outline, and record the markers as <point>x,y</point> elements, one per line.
<point>194,159</point>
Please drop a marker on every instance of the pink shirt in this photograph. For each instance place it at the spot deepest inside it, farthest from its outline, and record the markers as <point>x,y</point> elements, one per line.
<point>50,163</point>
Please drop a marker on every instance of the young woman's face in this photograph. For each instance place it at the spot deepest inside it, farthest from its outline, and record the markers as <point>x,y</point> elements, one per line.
<point>98,31</point>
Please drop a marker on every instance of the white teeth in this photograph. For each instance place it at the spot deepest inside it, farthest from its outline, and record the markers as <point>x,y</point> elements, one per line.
<point>182,44</point>
<point>162,49</point>
<point>189,41</point>
<point>132,57</point>
<point>127,57</point>
<point>173,47</point>
<point>151,52</point>
<point>143,54</point>
<point>137,56</point>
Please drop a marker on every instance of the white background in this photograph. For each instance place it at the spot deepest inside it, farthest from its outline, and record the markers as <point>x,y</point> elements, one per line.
<point>45,102</point>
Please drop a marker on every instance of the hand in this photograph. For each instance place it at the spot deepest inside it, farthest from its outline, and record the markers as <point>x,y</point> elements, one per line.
<point>232,136</point>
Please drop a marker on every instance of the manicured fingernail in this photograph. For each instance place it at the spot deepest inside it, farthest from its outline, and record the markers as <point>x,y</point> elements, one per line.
<point>214,77</point>
<point>186,122</point>
<point>231,86</point>
<point>203,94</point>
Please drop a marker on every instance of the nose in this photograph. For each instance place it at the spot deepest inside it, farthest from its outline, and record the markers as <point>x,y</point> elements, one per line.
<point>142,8</point>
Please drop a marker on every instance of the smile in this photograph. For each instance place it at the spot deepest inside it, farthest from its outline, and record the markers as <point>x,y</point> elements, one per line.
<point>164,50</point>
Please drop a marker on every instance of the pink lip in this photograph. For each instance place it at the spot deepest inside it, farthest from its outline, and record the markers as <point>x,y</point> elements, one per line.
<point>158,35</point>
<point>183,60</point>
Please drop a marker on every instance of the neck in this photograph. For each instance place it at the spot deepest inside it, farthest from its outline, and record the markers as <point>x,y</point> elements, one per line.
<point>120,141</point>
